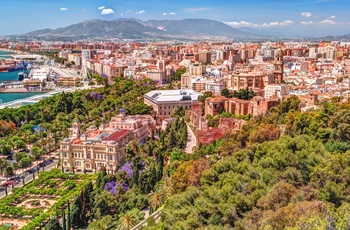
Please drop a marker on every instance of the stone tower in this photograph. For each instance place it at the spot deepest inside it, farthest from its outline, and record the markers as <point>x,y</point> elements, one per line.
<point>278,63</point>
<point>75,131</point>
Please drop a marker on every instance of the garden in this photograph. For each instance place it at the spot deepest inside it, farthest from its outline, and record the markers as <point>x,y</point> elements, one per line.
<point>31,206</point>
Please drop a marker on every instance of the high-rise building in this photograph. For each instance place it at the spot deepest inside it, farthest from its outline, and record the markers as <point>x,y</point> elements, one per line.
<point>204,57</point>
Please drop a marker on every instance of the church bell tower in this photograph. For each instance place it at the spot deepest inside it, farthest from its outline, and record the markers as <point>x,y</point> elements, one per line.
<point>278,63</point>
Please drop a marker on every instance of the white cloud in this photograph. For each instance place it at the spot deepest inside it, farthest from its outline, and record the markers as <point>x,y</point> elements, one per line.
<point>306,14</point>
<point>332,17</point>
<point>307,23</point>
<point>101,7</point>
<point>129,11</point>
<point>254,25</point>
<point>327,21</point>
<point>170,13</point>
<point>241,24</point>
<point>64,9</point>
<point>107,11</point>
<point>121,14</point>
<point>141,12</point>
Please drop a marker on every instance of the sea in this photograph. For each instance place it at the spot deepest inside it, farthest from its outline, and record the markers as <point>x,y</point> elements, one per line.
<point>11,76</point>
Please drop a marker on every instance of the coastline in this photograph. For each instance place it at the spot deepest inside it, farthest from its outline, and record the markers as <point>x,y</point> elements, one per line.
<point>15,52</point>
<point>22,90</point>
<point>15,90</point>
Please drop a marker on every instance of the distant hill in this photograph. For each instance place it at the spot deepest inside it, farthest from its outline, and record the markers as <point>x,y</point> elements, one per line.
<point>195,27</point>
<point>134,28</point>
<point>99,28</point>
<point>345,37</point>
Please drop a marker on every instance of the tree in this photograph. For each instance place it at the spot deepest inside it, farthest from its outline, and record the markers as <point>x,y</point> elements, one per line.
<point>76,216</point>
<point>68,216</point>
<point>225,92</point>
<point>128,220</point>
<point>53,224</point>
<point>64,223</point>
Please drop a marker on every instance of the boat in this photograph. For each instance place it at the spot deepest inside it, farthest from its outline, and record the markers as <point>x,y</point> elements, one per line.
<point>4,68</point>
<point>19,66</point>
<point>22,75</point>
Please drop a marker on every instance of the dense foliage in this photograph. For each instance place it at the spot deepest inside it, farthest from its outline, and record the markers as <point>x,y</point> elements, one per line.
<point>45,123</point>
<point>116,199</point>
<point>244,94</point>
<point>264,181</point>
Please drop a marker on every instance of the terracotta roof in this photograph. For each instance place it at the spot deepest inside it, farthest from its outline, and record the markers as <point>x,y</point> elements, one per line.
<point>117,135</point>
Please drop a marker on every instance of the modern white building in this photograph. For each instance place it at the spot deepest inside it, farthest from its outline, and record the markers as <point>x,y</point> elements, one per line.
<point>164,102</point>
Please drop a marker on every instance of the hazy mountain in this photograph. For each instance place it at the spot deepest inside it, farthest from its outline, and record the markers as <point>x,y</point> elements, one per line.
<point>134,28</point>
<point>345,37</point>
<point>99,28</point>
<point>195,27</point>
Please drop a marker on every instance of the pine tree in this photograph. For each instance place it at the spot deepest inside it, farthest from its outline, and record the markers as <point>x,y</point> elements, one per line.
<point>68,216</point>
<point>64,224</point>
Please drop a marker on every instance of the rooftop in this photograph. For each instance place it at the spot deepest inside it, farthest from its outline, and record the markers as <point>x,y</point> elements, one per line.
<point>172,95</point>
<point>117,135</point>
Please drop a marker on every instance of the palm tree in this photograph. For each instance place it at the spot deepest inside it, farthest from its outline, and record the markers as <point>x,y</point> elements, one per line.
<point>128,220</point>
<point>7,168</point>
<point>157,198</point>
<point>2,162</point>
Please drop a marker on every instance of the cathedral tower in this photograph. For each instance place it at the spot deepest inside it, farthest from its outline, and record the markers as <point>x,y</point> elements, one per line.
<point>278,63</point>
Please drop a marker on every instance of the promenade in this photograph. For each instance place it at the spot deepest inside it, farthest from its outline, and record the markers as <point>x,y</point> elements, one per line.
<point>28,178</point>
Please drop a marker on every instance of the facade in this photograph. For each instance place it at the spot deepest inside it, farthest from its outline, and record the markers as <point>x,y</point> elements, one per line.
<point>214,105</point>
<point>278,90</point>
<point>164,102</point>
<point>204,57</point>
<point>68,81</point>
<point>196,69</point>
<point>97,147</point>
<point>157,76</point>
<point>256,106</point>
<point>248,80</point>
<point>141,125</point>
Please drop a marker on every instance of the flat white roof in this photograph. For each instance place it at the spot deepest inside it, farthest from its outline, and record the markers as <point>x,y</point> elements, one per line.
<point>172,95</point>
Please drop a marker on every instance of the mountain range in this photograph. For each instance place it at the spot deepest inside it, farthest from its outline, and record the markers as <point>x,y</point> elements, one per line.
<point>135,29</point>
<point>194,29</point>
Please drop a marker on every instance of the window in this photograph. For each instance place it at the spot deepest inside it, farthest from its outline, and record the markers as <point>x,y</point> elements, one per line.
<point>88,155</point>
<point>65,155</point>
<point>110,157</point>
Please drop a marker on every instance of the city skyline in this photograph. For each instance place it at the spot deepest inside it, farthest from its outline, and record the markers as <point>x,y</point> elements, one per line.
<point>299,18</point>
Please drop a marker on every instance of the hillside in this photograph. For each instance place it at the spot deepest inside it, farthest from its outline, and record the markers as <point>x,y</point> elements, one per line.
<point>261,181</point>
<point>133,28</point>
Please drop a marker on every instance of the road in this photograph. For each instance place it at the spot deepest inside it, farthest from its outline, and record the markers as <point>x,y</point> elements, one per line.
<point>29,178</point>
<point>191,140</point>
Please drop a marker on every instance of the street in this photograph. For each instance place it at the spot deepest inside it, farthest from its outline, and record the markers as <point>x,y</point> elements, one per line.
<point>28,178</point>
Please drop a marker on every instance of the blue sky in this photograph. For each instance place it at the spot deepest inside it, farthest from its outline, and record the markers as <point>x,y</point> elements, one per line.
<point>303,17</point>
